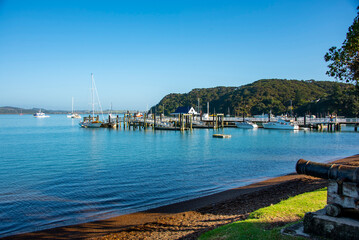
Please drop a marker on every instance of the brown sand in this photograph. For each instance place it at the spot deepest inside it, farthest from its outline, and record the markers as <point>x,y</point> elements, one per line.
<point>187,220</point>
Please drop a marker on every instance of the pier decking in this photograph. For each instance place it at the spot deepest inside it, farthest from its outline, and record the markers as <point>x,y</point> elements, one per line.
<point>188,122</point>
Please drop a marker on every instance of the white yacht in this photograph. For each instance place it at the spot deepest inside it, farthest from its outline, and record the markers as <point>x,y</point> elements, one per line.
<point>73,115</point>
<point>40,115</point>
<point>281,124</point>
<point>92,121</point>
<point>246,124</point>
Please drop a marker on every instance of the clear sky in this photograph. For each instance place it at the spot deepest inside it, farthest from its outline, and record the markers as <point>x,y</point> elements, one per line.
<point>141,50</point>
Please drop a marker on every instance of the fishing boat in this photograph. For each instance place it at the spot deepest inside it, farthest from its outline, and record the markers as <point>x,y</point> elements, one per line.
<point>40,115</point>
<point>138,115</point>
<point>92,121</point>
<point>73,115</point>
<point>246,124</point>
<point>281,124</point>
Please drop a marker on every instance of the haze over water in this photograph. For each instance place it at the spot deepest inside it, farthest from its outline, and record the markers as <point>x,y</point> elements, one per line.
<point>54,173</point>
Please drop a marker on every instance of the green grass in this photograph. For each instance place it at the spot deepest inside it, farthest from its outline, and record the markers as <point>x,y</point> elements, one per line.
<point>261,223</point>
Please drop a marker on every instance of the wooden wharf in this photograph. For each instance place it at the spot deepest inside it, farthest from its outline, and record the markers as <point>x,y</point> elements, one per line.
<point>188,122</point>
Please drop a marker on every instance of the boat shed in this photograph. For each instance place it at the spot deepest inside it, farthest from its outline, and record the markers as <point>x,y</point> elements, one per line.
<point>184,110</point>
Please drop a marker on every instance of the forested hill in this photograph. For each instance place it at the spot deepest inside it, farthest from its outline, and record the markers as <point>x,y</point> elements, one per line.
<point>276,95</point>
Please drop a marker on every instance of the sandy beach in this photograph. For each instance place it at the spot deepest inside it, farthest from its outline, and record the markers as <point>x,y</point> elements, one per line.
<point>188,219</point>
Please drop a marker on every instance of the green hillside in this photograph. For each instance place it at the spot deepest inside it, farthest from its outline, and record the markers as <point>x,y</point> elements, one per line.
<point>275,95</point>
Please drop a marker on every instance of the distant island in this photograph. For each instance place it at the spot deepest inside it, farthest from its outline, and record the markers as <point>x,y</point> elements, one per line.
<point>278,96</point>
<point>16,110</point>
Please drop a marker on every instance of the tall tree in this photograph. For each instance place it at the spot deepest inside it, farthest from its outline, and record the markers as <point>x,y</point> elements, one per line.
<point>344,62</point>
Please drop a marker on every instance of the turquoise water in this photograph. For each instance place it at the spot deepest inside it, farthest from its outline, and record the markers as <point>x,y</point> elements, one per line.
<point>54,173</point>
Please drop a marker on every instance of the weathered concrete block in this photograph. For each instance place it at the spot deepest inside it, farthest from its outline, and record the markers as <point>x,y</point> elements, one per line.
<point>319,224</point>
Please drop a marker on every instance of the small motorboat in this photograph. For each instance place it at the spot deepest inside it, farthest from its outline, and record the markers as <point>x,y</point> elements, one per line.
<point>281,124</point>
<point>40,115</point>
<point>246,124</point>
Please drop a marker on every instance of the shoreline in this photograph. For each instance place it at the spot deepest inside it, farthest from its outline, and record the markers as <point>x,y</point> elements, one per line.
<point>188,219</point>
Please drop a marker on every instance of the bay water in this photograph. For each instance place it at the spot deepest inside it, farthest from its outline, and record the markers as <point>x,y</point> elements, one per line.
<point>54,173</point>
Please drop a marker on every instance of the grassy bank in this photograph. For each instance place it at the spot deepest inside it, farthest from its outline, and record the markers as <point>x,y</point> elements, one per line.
<point>265,223</point>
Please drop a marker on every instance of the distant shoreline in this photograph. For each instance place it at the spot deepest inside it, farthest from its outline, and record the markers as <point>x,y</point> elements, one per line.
<point>7,110</point>
<point>63,113</point>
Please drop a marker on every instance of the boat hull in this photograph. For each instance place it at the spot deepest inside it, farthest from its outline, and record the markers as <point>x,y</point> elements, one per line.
<point>246,125</point>
<point>90,124</point>
<point>73,116</point>
<point>41,115</point>
<point>280,127</point>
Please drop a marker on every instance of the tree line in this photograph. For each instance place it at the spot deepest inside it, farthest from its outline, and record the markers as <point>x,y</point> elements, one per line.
<point>279,96</point>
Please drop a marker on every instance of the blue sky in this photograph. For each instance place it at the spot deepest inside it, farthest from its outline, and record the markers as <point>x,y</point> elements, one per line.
<point>141,50</point>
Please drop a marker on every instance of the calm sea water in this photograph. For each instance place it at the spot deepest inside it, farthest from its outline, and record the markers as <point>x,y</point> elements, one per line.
<point>54,173</point>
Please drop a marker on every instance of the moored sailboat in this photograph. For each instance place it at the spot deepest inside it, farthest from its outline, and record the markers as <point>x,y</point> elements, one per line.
<point>91,121</point>
<point>73,115</point>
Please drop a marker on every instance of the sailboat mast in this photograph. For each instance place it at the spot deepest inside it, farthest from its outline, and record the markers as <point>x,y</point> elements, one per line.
<point>92,96</point>
<point>72,111</point>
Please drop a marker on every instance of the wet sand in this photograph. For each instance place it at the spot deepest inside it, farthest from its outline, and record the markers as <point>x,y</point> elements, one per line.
<point>188,219</point>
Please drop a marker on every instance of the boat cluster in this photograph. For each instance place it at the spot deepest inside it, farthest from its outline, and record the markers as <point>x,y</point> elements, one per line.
<point>280,124</point>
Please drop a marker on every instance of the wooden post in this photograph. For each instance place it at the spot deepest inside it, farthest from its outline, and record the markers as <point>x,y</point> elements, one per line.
<point>144,120</point>
<point>154,119</point>
<point>269,116</point>
<point>188,119</point>
<point>213,121</point>
<point>181,122</point>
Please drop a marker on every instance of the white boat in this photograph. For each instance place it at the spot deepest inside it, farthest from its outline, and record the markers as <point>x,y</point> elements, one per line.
<point>111,115</point>
<point>91,121</point>
<point>73,115</point>
<point>246,124</point>
<point>281,124</point>
<point>40,115</point>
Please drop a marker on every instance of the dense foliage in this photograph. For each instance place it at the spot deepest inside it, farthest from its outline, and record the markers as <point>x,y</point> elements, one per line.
<point>275,95</point>
<point>344,62</point>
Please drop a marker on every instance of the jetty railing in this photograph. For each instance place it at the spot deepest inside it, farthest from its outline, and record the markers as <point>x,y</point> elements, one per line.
<point>220,121</point>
